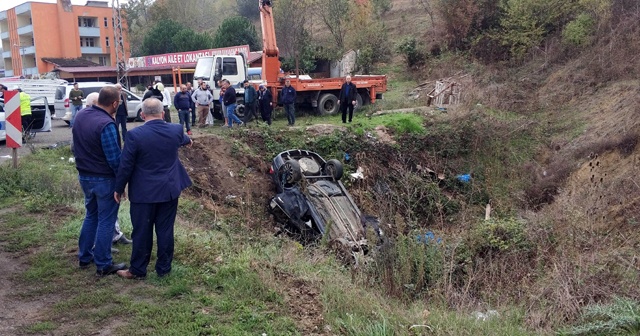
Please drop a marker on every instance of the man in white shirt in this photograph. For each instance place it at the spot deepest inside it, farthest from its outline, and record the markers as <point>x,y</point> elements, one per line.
<point>166,99</point>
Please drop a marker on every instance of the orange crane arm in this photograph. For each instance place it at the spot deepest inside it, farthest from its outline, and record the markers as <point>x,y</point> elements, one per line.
<point>270,52</point>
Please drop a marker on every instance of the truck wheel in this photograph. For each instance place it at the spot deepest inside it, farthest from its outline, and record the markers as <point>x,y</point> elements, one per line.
<point>138,116</point>
<point>359,101</point>
<point>240,111</point>
<point>334,168</point>
<point>328,104</point>
<point>291,168</point>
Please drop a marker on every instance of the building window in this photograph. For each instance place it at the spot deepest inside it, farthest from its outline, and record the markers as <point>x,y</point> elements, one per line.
<point>113,22</point>
<point>87,42</point>
<point>86,22</point>
<point>33,41</point>
<point>102,60</point>
<point>106,22</point>
<point>106,40</point>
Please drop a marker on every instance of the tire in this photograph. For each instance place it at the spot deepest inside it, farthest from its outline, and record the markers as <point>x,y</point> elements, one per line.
<point>240,111</point>
<point>292,169</point>
<point>139,116</point>
<point>334,169</point>
<point>328,104</point>
<point>359,102</point>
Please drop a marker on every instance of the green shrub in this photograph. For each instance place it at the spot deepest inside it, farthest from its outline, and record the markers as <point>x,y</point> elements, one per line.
<point>408,124</point>
<point>499,235</point>
<point>408,266</point>
<point>621,317</point>
<point>579,31</point>
<point>409,48</point>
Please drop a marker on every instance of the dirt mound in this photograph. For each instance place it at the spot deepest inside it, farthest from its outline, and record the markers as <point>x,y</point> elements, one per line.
<point>302,298</point>
<point>223,172</point>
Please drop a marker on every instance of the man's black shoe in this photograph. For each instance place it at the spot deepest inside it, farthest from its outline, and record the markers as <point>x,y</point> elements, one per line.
<point>85,265</point>
<point>123,240</point>
<point>111,269</point>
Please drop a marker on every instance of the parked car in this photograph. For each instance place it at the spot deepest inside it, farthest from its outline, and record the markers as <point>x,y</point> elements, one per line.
<point>63,104</point>
<point>311,202</point>
<point>41,118</point>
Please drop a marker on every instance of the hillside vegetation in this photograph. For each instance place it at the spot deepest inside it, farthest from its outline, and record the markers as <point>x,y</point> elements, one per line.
<point>547,130</point>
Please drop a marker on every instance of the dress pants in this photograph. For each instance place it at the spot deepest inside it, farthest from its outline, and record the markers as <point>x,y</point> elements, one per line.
<point>344,107</point>
<point>144,217</point>
<point>121,120</point>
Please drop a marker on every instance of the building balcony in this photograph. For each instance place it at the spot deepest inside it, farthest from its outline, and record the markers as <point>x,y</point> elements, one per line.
<point>26,7</point>
<point>8,73</point>
<point>30,71</point>
<point>27,50</point>
<point>25,30</point>
<point>6,54</point>
<point>3,16</point>
<point>89,31</point>
<point>91,50</point>
<point>4,35</point>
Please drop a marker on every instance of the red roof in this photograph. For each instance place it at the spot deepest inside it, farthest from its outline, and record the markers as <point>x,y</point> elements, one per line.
<point>254,56</point>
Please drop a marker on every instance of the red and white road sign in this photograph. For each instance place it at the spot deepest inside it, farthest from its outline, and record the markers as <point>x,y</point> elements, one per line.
<point>13,119</point>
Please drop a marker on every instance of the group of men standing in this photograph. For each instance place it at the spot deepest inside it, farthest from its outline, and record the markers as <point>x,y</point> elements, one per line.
<point>148,164</point>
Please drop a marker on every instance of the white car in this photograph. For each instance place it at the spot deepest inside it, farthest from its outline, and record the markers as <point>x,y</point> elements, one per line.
<point>63,104</point>
<point>41,118</point>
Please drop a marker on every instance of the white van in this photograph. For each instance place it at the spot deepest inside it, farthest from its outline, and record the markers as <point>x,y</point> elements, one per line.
<point>63,104</point>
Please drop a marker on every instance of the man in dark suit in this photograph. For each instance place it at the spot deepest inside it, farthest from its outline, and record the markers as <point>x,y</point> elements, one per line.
<point>265,104</point>
<point>156,177</point>
<point>347,99</point>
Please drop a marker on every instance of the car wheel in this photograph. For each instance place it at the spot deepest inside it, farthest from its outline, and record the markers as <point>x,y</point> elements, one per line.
<point>291,170</point>
<point>139,116</point>
<point>334,169</point>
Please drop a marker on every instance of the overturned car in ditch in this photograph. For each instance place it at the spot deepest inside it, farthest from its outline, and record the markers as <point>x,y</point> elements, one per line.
<point>312,203</point>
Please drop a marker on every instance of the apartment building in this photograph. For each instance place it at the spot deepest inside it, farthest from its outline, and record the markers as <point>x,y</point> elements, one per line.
<point>35,31</point>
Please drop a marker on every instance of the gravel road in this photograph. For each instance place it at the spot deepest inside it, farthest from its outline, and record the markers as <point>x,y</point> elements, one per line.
<point>60,134</point>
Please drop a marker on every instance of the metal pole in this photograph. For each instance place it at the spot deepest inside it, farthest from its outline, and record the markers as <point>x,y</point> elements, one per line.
<point>14,152</point>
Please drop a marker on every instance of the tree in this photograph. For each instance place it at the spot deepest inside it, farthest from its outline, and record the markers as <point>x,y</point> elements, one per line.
<point>294,40</point>
<point>160,38</point>
<point>335,16</point>
<point>458,19</point>
<point>235,31</point>
<point>188,40</point>
<point>136,14</point>
<point>249,8</point>
<point>368,36</point>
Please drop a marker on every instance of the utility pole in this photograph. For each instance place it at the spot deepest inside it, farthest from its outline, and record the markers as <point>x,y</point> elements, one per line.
<point>121,62</point>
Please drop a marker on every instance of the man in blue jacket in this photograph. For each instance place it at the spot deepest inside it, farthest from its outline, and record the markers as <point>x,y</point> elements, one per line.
<point>96,146</point>
<point>156,177</point>
<point>288,97</point>
<point>250,102</point>
<point>182,102</point>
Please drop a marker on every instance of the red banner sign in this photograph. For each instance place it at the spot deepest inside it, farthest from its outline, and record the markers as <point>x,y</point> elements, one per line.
<point>184,58</point>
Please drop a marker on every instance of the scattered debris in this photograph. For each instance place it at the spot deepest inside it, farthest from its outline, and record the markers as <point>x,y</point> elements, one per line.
<point>464,178</point>
<point>72,160</point>
<point>485,316</point>
<point>358,175</point>
<point>230,197</point>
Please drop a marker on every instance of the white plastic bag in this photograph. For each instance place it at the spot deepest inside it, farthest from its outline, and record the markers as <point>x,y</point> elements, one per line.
<point>209,120</point>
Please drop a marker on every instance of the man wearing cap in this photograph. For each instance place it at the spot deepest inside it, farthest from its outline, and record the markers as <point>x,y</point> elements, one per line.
<point>75,96</point>
<point>249,102</point>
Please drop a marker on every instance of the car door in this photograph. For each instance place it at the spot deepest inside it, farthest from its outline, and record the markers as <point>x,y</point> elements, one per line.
<point>41,115</point>
<point>60,105</point>
<point>133,101</point>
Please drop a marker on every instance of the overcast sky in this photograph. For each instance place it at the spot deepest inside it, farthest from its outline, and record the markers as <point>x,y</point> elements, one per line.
<point>6,4</point>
